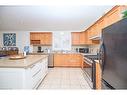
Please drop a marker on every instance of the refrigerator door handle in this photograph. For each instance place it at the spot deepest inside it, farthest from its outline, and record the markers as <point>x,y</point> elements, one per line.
<point>102,57</point>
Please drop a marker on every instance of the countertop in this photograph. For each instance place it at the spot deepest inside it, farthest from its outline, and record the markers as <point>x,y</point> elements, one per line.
<point>36,53</point>
<point>89,54</point>
<point>21,63</point>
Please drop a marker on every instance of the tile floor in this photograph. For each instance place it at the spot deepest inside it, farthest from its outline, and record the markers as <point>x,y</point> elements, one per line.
<point>64,78</point>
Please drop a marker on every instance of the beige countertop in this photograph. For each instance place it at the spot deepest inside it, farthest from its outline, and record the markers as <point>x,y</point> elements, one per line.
<point>21,63</point>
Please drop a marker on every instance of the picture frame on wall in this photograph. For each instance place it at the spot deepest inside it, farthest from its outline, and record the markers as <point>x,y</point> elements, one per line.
<point>9,39</point>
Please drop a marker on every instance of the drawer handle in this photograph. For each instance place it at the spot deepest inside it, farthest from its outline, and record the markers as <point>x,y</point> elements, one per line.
<point>36,73</point>
<point>32,66</point>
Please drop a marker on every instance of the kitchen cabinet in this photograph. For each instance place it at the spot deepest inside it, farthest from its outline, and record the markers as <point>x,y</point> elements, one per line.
<point>82,38</point>
<point>100,26</point>
<point>92,31</point>
<point>68,60</point>
<point>48,38</point>
<point>98,76</point>
<point>109,18</point>
<point>113,16</point>
<point>24,78</point>
<point>75,36</point>
<point>42,38</point>
<point>78,38</point>
<point>35,38</point>
<point>88,32</point>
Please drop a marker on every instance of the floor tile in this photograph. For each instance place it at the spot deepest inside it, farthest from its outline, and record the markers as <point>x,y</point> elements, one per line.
<point>64,78</point>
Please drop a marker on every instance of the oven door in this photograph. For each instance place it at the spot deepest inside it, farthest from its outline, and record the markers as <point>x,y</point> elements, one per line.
<point>90,72</point>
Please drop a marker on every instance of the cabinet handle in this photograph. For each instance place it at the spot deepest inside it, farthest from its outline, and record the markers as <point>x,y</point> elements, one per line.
<point>32,66</point>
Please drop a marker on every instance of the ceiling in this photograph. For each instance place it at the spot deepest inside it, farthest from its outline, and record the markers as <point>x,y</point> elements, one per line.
<point>49,18</point>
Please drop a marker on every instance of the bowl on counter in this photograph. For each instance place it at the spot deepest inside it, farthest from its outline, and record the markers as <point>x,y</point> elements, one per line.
<point>16,57</point>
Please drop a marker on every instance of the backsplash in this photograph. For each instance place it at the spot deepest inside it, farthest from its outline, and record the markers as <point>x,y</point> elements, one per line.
<point>73,48</point>
<point>94,49</point>
<point>43,48</point>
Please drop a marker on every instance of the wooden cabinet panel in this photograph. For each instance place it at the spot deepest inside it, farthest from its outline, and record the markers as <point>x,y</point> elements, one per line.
<point>48,38</point>
<point>75,38</point>
<point>82,38</point>
<point>74,60</point>
<point>34,38</point>
<point>78,38</point>
<point>43,38</point>
<point>58,60</point>
<point>113,17</point>
<point>98,76</point>
<point>88,37</point>
<point>68,60</point>
<point>100,26</point>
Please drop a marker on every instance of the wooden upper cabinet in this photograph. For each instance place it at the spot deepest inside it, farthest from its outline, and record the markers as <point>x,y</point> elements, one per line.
<point>34,38</point>
<point>82,38</point>
<point>101,25</point>
<point>79,38</point>
<point>113,16</point>
<point>75,38</point>
<point>48,38</point>
<point>88,33</point>
<point>92,31</point>
<point>43,38</point>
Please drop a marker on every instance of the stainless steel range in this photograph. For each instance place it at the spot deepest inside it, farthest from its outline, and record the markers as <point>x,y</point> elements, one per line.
<point>90,71</point>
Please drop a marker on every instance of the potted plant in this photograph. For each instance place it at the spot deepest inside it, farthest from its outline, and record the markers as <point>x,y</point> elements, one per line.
<point>124,14</point>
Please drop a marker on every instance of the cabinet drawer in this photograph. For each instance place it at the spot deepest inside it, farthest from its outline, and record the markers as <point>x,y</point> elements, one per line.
<point>36,78</point>
<point>34,68</point>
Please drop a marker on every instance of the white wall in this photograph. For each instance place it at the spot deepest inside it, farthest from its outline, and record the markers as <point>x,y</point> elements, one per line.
<point>22,38</point>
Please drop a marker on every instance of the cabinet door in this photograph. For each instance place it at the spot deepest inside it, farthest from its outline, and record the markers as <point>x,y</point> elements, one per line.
<point>88,37</point>
<point>57,60</point>
<point>34,38</point>
<point>93,31</point>
<point>82,38</point>
<point>75,38</point>
<point>42,37</point>
<point>113,16</point>
<point>77,58</point>
<point>101,25</point>
<point>48,38</point>
<point>67,60</point>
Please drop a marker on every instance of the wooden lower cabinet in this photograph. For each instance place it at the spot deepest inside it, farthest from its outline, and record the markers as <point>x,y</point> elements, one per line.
<point>68,60</point>
<point>98,76</point>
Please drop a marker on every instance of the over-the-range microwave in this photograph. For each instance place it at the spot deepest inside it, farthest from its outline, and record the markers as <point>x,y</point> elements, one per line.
<point>84,50</point>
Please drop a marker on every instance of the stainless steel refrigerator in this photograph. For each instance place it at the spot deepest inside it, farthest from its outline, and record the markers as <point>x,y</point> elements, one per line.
<point>113,55</point>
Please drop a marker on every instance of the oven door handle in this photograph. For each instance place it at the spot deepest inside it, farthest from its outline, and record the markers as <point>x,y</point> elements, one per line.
<point>94,74</point>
